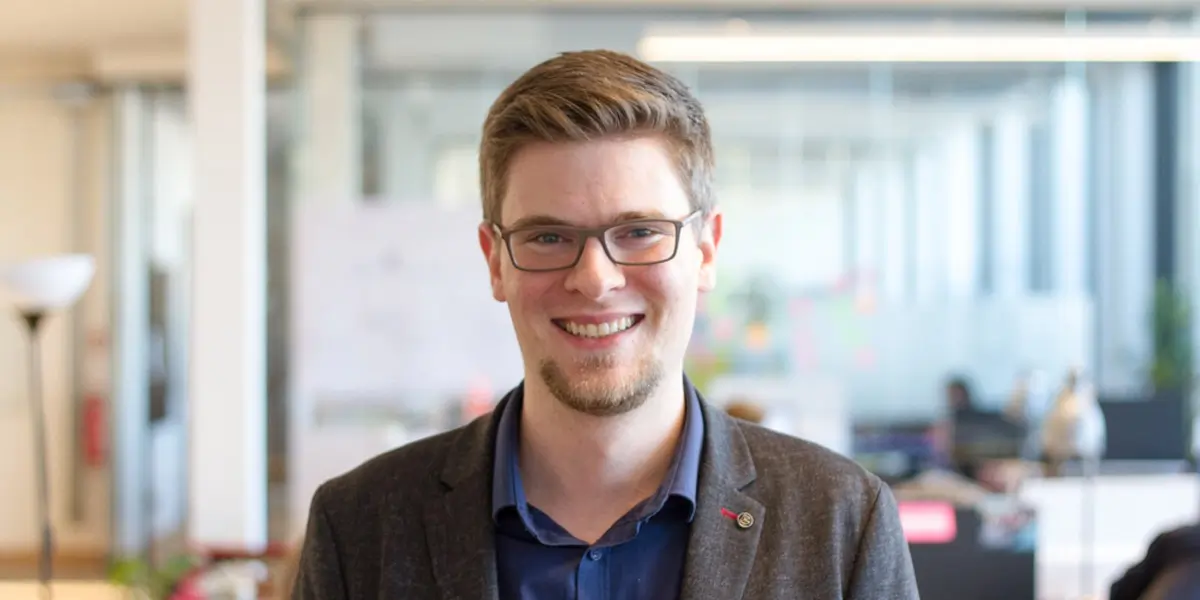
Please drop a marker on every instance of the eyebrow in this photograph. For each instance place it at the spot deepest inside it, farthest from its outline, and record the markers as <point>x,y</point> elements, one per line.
<point>546,220</point>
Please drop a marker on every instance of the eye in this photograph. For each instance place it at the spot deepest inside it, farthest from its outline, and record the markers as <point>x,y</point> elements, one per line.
<point>545,238</point>
<point>641,232</point>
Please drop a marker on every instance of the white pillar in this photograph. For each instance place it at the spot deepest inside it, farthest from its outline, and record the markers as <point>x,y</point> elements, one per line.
<point>1069,156</point>
<point>866,197</point>
<point>227,407</point>
<point>131,328</point>
<point>1011,180</point>
<point>929,206</point>
<point>1124,225</point>
<point>960,167</point>
<point>895,246</point>
<point>406,146</point>
<point>1189,185</point>
<point>330,148</point>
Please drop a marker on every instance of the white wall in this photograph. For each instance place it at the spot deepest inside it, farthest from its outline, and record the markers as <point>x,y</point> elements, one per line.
<point>36,217</point>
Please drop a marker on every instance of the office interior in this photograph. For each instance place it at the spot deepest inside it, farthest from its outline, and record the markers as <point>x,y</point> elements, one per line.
<point>944,220</point>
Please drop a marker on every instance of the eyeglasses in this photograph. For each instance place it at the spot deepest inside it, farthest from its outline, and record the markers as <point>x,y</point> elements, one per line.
<point>556,247</point>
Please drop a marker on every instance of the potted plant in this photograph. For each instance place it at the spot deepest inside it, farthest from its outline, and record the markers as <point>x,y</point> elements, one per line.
<point>1172,373</point>
<point>1173,367</point>
<point>171,581</point>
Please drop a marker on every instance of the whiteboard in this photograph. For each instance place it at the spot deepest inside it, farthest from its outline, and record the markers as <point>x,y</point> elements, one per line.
<point>394,299</point>
<point>393,323</point>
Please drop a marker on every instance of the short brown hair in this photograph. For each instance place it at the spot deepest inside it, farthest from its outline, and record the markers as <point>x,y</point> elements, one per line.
<point>589,95</point>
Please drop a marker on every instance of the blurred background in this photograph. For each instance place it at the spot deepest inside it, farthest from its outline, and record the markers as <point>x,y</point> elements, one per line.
<point>963,248</point>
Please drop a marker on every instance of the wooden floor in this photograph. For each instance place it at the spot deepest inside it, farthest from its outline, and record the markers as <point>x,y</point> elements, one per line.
<point>74,566</point>
<point>62,590</point>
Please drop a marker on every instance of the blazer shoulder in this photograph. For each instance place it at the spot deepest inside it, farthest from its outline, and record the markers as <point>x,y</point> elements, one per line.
<point>782,459</point>
<point>408,469</point>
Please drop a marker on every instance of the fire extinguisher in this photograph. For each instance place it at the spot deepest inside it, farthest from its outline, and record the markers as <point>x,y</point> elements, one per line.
<point>95,442</point>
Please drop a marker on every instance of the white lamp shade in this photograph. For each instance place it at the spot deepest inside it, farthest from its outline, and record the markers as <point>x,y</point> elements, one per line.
<point>47,283</point>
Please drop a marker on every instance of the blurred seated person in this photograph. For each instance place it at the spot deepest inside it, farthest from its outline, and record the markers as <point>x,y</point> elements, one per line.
<point>746,410</point>
<point>1170,564</point>
<point>960,404</point>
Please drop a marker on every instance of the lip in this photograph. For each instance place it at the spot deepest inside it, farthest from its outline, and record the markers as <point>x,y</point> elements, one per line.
<point>598,318</point>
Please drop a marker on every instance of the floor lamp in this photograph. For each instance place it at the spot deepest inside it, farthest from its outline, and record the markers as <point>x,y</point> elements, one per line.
<point>35,289</point>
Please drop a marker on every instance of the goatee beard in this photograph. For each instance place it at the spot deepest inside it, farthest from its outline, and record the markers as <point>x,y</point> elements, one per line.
<point>593,394</point>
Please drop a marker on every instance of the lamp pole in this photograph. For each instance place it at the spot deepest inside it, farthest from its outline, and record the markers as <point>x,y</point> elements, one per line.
<point>33,320</point>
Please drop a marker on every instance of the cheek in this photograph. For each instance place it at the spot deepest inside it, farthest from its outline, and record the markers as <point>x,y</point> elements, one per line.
<point>662,288</point>
<point>530,294</point>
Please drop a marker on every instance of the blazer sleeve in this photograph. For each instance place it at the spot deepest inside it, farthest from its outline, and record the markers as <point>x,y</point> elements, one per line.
<point>319,569</point>
<point>883,566</point>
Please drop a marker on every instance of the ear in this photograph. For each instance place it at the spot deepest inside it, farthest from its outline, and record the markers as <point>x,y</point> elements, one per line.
<point>710,238</point>
<point>493,247</point>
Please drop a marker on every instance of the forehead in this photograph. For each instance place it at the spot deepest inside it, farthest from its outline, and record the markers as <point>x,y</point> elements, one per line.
<point>594,182</point>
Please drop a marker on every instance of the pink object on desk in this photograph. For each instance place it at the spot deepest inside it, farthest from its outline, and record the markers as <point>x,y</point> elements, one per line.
<point>928,522</point>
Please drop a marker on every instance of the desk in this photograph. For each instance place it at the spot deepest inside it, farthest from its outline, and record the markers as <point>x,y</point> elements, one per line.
<point>1129,510</point>
<point>963,568</point>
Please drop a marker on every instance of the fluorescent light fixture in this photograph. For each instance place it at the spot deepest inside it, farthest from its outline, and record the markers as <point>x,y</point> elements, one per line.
<point>742,45</point>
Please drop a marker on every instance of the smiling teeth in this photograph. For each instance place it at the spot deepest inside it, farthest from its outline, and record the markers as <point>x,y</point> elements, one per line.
<point>598,330</point>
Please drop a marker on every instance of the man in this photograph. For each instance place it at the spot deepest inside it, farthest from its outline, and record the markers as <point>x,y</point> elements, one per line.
<point>1171,551</point>
<point>604,474</point>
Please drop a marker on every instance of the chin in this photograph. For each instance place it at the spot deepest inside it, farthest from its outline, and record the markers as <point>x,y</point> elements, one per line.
<point>601,388</point>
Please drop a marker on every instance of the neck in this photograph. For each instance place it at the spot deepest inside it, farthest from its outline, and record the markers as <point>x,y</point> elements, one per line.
<point>580,467</point>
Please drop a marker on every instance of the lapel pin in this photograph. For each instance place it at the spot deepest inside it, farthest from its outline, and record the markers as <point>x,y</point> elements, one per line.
<point>744,520</point>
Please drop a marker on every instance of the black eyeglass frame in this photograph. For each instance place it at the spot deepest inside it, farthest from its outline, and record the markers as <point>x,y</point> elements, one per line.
<point>599,234</point>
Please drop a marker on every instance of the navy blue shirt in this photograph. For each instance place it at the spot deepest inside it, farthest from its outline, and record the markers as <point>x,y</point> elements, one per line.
<point>640,557</point>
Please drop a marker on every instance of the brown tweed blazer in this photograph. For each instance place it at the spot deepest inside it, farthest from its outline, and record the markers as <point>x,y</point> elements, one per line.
<point>415,523</point>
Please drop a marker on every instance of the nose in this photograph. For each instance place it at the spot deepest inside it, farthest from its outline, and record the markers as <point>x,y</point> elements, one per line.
<point>595,274</point>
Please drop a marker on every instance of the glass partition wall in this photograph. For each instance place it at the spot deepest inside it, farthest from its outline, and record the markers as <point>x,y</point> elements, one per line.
<point>912,199</point>
<point>927,203</point>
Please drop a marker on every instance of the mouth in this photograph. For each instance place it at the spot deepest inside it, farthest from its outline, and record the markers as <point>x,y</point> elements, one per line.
<point>599,329</point>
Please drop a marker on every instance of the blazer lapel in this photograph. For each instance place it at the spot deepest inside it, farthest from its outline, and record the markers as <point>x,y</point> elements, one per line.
<point>459,527</point>
<point>728,522</point>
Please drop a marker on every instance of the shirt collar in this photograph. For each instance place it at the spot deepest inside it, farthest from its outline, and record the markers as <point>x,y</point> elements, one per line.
<point>682,476</point>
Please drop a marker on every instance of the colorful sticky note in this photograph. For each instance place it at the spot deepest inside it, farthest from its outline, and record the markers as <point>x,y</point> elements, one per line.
<point>758,336</point>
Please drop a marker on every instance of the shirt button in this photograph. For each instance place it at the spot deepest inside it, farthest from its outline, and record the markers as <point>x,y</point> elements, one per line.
<point>595,554</point>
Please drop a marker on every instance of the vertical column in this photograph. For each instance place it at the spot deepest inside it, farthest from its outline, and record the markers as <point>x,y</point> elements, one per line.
<point>865,199</point>
<point>407,164</point>
<point>131,328</point>
<point>1124,242</point>
<point>1069,192</point>
<point>1189,240</point>
<point>330,168</point>
<point>961,165</point>
<point>930,219</point>
<point>227,412</point>
<point>895,241</point>
<point>1010,204</point>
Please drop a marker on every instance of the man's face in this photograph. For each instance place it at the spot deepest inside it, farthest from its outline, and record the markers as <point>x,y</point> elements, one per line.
<point>600,336</point>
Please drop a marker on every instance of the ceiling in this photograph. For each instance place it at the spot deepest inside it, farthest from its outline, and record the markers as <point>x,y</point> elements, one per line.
<point>110,40</point>
<point>31,26</point>
<point>150,35</point>
<point>69,25</point>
